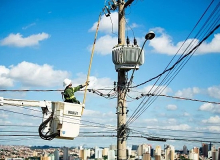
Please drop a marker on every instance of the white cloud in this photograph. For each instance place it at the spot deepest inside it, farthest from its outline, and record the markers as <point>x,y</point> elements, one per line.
<point>210,108</point>
<point>188,92</point>
<point>211,47</point>
<point>105,44</point>
<point>214,128</point>
<point>106,24</point>
<point>28,26</point>
<point>178,127</point>
<point>3,115</point>
<point>4,80</point>
<point>164,44</point>
<point>130,27</point>
<point>214,120</point>
<point>152,89</point>
<point>171,107</point>
<point>171,121</point>
<point>214,91</point>
<point>95,82</point>
<point>30,74</point>
<point>17,40</point>
<point>154,120</point>
<point>106,119</point>
<point>98,114</point>
<point>186,114</point>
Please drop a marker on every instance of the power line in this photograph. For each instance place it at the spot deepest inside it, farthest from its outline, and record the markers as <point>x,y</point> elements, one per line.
<point>191,131</point>
<point>43,90</point>
<point>17,125</point>
<point>174,65</point>
<point>177,139</point>
<point>139,109</point>
<point>100,125</point>
<point>175,97</point>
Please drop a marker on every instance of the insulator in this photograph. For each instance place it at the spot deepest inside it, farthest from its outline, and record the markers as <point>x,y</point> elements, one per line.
<point>127,41</point>
<point>135,41</point>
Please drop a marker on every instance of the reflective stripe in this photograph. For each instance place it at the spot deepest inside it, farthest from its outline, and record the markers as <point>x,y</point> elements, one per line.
<point>68,98</point>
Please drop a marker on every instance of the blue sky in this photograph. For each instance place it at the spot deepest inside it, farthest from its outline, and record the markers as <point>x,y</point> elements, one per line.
<point>44,42</point>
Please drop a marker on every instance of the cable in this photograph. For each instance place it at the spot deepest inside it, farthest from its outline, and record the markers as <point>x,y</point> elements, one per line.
<point>191,131</point>
<point>100,125</point>
<point>169,69</point>
<point>19,131</point>
<point>177,139</point>
<point>190,99</point>
<point>175,97</point>
<point>42,90</point>
<point>43,125</point>
<point>112,25</point>
<point>166,70</point>
<point>15,125</point>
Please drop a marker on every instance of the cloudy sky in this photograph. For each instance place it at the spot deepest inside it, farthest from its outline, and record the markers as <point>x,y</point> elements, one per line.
<point>44,42</point>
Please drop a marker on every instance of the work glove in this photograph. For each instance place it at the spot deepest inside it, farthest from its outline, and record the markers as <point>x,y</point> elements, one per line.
<point>86,84</point>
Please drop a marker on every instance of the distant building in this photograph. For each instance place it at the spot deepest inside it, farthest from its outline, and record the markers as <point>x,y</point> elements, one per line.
<point>152,152</point>
<point>196,150</point>
<point>169,152</point>
<point>214,155</point>
<point>193,155</point>
<point>111,155</point>
<point>205,150</point>
<point>146,156</point>
<point>65,153</point>
<point>157,151</point>
<point>209,154</point>
<point>105,152</point>
<point>210,146</point>
<point>84,154</point>
<point>143,148</point>
<point>184,149</point>
<point>56,154</point>
<point>134,147</point>
<point>112,147</point>
<point>219,153</point>
<point>157,157</point>
<point>98,152</point>
<point>128,151</point>
<point>34,154</point>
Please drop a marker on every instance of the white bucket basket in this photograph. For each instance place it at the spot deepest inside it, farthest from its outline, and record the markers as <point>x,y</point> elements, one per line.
<point>66,119</point>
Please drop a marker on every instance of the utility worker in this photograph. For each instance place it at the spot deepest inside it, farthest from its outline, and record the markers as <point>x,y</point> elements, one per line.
<point>69,91</point>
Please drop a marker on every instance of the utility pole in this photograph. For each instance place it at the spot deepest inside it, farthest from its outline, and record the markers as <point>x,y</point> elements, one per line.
<point>123,63</point>
<point>121,106</point>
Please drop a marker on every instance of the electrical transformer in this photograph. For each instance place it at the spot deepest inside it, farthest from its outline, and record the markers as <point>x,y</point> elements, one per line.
<point>126,57</point>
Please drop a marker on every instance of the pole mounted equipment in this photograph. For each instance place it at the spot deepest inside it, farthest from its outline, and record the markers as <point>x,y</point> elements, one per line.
<point>150,35</point>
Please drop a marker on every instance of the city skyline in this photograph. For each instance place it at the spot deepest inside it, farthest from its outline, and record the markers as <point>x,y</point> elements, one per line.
<point>142,151</point>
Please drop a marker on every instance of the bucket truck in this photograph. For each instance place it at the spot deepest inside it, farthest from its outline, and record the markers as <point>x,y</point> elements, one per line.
<point>60,119</point>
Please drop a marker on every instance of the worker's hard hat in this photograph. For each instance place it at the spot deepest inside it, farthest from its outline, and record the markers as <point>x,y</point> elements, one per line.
<point>66,82</point>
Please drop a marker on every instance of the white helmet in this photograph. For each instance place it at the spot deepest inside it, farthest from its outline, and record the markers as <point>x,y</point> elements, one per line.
<point>66,82</point>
